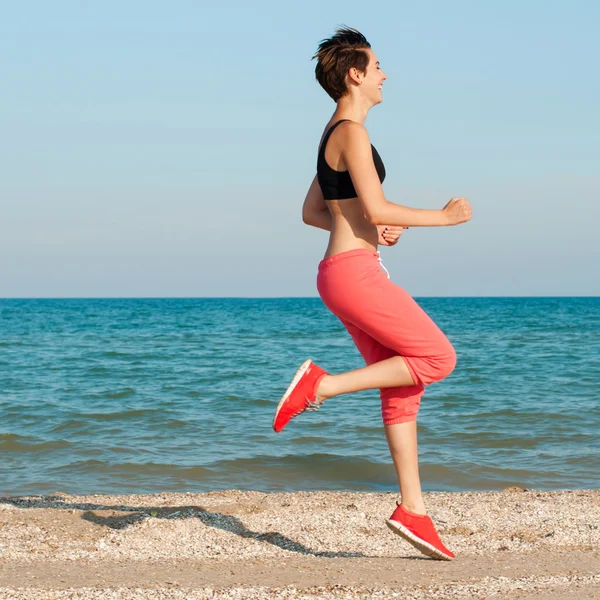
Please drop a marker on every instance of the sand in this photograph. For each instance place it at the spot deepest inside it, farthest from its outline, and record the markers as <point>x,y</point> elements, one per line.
<point>230,544</point>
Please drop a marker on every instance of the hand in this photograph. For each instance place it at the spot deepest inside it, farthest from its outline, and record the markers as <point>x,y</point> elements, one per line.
<point>457,211</point>
<point>389,234</point>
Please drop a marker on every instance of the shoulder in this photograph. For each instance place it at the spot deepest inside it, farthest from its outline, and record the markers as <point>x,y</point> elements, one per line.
<point>352,128</point>
<point>354,136</point>
<point>352,132</point>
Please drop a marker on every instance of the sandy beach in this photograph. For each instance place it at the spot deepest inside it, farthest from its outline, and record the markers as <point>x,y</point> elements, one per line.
<point>515,543</point>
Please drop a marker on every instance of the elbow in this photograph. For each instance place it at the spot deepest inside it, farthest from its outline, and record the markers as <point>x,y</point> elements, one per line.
<point>308,219</point>
<point>375,218</point>
<point>305,214</point>
<point>375,214</point>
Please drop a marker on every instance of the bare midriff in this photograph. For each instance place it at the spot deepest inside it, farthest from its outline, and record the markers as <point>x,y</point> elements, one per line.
<point>350,229</point>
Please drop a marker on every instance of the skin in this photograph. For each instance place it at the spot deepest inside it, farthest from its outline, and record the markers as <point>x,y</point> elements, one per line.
<point>367,221</point>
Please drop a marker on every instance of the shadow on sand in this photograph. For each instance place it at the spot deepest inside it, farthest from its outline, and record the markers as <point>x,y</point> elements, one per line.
<point>136,514</point>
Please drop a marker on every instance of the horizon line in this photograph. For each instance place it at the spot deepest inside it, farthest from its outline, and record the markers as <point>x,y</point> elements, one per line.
<point>258,297</point>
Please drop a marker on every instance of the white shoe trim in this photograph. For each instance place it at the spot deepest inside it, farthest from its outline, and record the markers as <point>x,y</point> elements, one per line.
<point>417,542</point>
<point>292,385</point>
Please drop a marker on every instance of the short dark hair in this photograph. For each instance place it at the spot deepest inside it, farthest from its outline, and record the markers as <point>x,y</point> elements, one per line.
<point>336,56</point>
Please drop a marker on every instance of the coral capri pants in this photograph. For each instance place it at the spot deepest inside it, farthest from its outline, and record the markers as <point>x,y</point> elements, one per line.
<point>385,321</point>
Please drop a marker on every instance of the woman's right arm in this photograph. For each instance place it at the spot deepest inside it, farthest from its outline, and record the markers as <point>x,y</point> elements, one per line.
<point>358,157</point>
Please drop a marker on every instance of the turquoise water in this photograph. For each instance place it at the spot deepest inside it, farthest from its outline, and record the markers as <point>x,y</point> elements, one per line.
<point>149,395</point>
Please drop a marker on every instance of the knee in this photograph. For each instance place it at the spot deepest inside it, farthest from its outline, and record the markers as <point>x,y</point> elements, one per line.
<point>431,369</point>
<point>439,367</point>
<point>447,363</point>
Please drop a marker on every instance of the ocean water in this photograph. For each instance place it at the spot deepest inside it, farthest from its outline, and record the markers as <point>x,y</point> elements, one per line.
<point>155,395</point>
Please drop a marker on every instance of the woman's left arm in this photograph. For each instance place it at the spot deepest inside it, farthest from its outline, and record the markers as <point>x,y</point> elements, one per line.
<point>314,209</point>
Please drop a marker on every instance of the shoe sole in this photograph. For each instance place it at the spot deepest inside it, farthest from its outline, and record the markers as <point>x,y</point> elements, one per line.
<point>292,385</point>
<point>417,542</point>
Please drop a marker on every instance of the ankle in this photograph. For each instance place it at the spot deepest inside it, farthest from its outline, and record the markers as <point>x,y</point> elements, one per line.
<point>324,389</point>
<point>416,508</point>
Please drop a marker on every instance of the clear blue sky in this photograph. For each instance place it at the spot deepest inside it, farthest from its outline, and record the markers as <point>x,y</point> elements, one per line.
<point>165,148</point>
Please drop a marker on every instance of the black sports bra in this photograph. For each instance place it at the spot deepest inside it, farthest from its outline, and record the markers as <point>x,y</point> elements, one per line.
<point>337,185</point>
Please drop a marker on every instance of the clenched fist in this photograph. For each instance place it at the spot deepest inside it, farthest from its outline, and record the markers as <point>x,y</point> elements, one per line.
<point>457,211</point>
<point>389,234</point>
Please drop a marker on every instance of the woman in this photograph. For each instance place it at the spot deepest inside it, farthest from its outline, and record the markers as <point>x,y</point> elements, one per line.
<point>403,348</point>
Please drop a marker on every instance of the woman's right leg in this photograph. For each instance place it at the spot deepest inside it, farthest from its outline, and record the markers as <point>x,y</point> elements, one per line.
<point>404,351</point>
<point>402,442</point>
<point>400,404</point>
<point>403,348</point>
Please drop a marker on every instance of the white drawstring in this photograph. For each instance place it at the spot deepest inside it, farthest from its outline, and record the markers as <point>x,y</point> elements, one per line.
<point>382,265</point>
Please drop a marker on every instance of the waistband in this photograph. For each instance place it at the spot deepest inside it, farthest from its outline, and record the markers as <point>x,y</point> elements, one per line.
<point>348,254</point>
<point>357,252</point>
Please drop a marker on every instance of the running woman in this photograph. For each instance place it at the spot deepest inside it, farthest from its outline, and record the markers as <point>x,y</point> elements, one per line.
<point>403,348</point>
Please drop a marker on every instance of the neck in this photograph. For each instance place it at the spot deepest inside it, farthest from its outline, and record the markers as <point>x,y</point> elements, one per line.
<point>352,107</point>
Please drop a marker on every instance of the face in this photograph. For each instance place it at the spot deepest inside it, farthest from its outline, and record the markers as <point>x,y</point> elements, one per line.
<point>372,81</point>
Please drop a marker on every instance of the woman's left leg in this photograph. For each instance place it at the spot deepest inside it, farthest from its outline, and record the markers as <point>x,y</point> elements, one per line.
<point>418,353</point>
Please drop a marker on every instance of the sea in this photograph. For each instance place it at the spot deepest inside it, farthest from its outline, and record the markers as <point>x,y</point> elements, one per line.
<point>119,396</point>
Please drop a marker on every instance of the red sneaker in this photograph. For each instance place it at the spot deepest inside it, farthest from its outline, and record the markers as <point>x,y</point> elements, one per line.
<point>300,395</point>
<point>420,532</point>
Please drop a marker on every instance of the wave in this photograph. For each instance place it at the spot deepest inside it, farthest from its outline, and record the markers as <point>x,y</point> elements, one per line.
<point>113,395</point>
<point>124,414</point>
<point>16,443</point>
<point>101,467</point>
<point>316,467</point>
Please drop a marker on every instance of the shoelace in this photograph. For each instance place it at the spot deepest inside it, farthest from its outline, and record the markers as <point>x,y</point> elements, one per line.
<point>309,405</point>
<point>382,265</point>
<point>313,405</point>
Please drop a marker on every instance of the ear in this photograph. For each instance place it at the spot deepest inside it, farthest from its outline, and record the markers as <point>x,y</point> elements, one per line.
<point>355,75</point>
